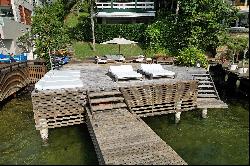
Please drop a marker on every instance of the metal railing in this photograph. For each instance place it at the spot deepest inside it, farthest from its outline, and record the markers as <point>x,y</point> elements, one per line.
<point>125,5</point>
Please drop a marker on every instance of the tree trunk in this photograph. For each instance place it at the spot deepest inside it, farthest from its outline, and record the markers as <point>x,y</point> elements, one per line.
<point>92,24</point>
<point>177,10</point>
<point>172,5</point>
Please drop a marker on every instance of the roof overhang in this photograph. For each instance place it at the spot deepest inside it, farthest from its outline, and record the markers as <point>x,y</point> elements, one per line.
<point>125,14</point>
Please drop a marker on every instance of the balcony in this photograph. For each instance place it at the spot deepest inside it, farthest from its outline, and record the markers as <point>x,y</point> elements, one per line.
<point>125,9</point>
<point>125,6</point>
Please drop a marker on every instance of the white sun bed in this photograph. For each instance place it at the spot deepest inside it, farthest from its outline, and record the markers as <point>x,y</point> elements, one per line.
<point>156,70</point>
<point>62,73</point>
<point>60,79</point>
<point>58,84</point>
<point>124,72</point>
<point>100,60</point>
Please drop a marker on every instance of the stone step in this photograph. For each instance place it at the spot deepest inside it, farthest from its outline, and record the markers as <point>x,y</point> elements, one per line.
<point>205,86</point>
<point>205,74</point>
<point>107,99</point>
<point>201,78</point>
<point>108,106</point>
<point>103,93</point>
<point>207,96</point>
<point>206,91</point>
<point>205,82</point>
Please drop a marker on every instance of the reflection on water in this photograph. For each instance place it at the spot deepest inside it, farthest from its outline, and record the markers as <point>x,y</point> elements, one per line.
<point>223,138</point>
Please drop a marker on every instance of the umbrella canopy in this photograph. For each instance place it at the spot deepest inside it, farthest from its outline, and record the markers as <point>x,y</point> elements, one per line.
<point>119,41</point>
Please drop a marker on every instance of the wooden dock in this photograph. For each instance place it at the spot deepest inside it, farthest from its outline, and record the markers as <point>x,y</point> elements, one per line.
<point>122,138</point>
<point>112,110</point>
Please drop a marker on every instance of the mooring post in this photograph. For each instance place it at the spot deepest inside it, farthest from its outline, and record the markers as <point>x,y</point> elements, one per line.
<point>177,117</point>
<point>204,113</point>
<point>178,111</point>
<point>44,132</point>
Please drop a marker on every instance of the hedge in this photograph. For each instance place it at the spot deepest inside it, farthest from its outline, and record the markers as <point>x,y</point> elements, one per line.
<point>105,32</point>
<point>135,32</point>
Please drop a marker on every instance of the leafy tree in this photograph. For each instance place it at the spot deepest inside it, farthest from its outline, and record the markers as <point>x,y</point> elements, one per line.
<point>48,29</point>
<point>205,21</point>
<point>199,23</point>
<point>235,45</point>
<point>25,42</point>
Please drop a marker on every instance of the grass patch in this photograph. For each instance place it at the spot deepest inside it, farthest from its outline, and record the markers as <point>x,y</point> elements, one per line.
<point>72,19</point>
<point>84,50</point>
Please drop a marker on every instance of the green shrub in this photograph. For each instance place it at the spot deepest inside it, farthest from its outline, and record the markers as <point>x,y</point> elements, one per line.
<point>190,56</point>
<point>105,32</point>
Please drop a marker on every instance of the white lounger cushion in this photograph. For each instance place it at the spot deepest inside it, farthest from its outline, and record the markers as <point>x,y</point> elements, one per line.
<point>43,85</point>
<point>156,70</point>
<point>124,71</point>
<point>63,73</point>
<point>60,79</point>
<point>54,79</point>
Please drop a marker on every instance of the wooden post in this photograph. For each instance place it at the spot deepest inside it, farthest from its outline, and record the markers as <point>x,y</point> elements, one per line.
<point>204,113</point>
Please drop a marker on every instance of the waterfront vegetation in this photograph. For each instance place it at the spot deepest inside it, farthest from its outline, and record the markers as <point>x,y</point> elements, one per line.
<point>197,24</point>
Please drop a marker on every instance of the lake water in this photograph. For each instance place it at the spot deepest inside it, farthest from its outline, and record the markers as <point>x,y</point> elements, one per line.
<point>222,138</point>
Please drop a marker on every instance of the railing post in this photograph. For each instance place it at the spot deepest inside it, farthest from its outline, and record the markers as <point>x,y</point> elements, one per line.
<point>112,4</point>
<point>135,3</point>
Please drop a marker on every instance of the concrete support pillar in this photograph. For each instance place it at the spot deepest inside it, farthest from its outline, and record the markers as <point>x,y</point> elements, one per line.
<point>112,4</point>
<point>133,20</point>
<point>204,113</point>
<point>104,21</point>
<point>237,22</point>
<point>178,112</point>
<point>44,132</point>
<point>208,67</point>
<point>226,77</point>
<point>177,117</point>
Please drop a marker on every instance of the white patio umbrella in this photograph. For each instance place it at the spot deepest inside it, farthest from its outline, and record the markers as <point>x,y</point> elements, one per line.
<point>119,41</point>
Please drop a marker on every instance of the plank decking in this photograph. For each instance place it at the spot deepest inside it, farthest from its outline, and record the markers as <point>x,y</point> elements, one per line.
<point>122,138</point>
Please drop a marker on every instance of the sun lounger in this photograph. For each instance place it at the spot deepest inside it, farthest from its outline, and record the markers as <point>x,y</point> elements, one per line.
<point>118,57</point>
<point>155,70</point>
<point>124,72</point>
<point>100,59</point>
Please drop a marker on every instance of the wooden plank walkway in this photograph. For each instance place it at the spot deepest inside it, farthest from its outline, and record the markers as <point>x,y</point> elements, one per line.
<point>121,137</point>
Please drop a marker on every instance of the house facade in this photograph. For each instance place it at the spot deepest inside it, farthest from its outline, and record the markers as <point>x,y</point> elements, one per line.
<point>15,20</point>
<point>124,11</point>
<point>243,6</point>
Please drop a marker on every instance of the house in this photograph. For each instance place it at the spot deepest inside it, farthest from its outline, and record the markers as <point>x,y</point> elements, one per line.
<point>243,20</point>
<point>15,20</point>
<point>124,11</point>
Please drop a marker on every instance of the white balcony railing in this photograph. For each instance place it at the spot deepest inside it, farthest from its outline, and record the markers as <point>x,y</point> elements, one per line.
<point>126,5</point>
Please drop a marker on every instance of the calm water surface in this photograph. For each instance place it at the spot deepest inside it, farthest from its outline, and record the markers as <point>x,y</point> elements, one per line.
<point>223,138</point>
